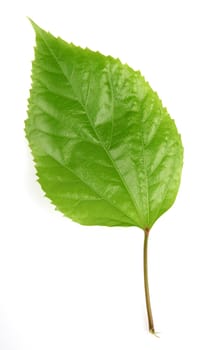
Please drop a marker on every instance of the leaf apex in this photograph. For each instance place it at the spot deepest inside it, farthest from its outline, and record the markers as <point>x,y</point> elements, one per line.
<point>34,25</point>
<point>31,21</point>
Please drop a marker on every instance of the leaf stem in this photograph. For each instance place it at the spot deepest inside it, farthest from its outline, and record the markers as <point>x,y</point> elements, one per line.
<point>146,284</point>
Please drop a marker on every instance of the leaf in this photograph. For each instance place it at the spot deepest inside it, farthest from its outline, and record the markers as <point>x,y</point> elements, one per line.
<point>105,149</point>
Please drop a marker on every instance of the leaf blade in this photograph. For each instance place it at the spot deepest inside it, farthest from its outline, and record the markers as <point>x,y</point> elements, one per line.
<point>92,114</point>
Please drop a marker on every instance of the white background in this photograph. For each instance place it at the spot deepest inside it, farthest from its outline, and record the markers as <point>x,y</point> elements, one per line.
<point>66,286</point>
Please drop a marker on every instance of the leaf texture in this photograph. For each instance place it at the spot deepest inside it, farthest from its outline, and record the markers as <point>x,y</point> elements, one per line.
<point>105,149</point>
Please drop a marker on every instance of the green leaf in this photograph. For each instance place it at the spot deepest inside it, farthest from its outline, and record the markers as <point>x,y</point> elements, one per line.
<point>105,149</point>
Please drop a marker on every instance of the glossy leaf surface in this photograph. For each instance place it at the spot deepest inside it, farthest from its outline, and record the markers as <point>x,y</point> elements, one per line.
<point>105,149</point>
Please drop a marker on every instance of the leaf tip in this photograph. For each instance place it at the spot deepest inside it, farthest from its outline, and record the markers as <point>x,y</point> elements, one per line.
<point>31,21</point>
<point>34,25</point>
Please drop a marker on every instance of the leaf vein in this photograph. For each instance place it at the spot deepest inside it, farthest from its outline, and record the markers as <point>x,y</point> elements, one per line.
<point>92,189</point>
